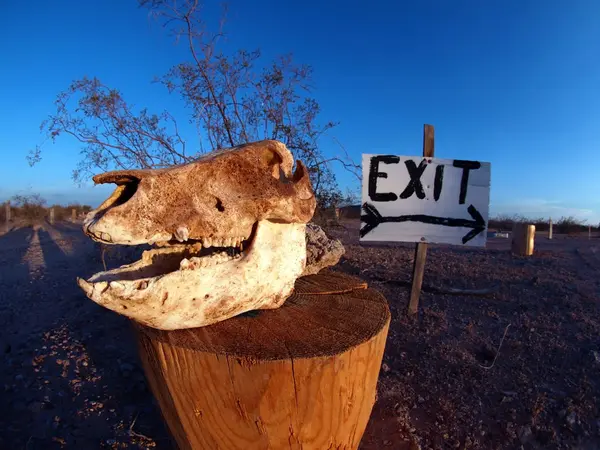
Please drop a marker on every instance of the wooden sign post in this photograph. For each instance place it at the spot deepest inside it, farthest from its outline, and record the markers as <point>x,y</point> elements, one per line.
<point>73,214</point>
<point>421,248</point>
<point>52,216</point>
<point>424,200</point>
<point>550,228</point>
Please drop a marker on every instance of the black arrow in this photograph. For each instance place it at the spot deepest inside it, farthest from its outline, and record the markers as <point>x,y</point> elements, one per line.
<point>372,219</point>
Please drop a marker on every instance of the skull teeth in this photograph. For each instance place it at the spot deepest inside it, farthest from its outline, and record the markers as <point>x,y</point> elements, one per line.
<point>182,234</point>
<point>208,242</point>
<point>206,261</point>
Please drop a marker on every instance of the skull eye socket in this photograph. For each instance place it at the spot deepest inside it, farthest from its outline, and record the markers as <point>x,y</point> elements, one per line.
<point>219,205</point>
<point>273,160</point>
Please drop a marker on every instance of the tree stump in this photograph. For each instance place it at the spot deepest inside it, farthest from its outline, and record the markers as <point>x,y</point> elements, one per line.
<point>523,236</point>
<point>303,376</point>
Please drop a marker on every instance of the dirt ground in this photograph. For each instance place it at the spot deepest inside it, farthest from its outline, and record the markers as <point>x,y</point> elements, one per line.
<point>71,378</point>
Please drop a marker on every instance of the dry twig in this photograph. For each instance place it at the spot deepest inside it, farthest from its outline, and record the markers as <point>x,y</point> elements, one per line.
<point>103,247</point>
<point>497,350</point>
<point>133,433</point>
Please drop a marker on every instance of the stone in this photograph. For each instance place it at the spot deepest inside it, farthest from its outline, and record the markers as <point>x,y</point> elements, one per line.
<point>525,434</point>
<point>321,251</point>
<point>126,367</point>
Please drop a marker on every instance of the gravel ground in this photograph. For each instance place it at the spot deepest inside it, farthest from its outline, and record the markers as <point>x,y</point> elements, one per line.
<point>71,376</point>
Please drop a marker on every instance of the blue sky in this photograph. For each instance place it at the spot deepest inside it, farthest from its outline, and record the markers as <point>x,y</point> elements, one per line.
<point>515,83</point>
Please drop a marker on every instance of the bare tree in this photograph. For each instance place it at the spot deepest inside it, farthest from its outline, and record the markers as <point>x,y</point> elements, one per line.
<point>31,207</point>
<point>233,99</point>
<point>113,135</point>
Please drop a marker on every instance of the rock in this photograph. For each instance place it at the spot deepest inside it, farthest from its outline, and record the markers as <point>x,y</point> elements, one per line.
<point>36,407</point>
<point>420,399</point>
<point>321,251</point>
<point>415,446</point>
<point>19,405</point>
<point>571,419</point>
<point>110,347</point>
<point>385,368</point>
<point>596,356</point>
<point>126,367</point>
<point>525,434</point>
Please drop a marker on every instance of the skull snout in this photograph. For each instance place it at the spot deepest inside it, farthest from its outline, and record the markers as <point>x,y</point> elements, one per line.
<point>101,225</point>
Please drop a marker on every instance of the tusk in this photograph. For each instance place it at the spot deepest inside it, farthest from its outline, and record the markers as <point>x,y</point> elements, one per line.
<point>88,288</point>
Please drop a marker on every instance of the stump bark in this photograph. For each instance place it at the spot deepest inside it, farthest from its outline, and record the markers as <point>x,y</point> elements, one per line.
<point>303,376</point>
<point>523,237</point>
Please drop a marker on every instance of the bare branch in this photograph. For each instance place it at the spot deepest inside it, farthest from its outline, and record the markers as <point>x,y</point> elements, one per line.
<point>233,98</point>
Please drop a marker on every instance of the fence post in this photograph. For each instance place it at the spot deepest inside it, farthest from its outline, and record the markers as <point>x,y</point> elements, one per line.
<point>523,235</point>
<point>7,213</point>
<point>550,229</point>
<point>52,216</point>
<point>73,214</point>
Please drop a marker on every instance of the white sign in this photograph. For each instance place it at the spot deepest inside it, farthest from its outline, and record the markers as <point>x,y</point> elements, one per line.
<point>418,199</point>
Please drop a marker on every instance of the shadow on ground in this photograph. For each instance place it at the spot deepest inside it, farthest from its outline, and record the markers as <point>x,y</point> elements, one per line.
<point>71,376</point>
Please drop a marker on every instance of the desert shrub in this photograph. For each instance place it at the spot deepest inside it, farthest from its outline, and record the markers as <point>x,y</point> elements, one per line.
<point>59,212</point>
<point>64,212</point>
<point>350,212</point>
<point>541,224</point>
<point>29,208</point>
<point>564,225</point>
<point>570,225</point>
<point>325,217</point>
<point>505,222</point>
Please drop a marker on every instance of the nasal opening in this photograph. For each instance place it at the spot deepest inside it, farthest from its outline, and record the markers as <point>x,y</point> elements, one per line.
<point>121,195</point>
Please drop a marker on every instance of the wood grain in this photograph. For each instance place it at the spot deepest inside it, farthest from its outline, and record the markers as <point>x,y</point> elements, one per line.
<point>421,248</point>
<point>303,376</point>
<point>523,236</point>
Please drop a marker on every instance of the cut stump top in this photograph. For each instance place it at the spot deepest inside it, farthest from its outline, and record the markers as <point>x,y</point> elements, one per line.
<point>328,314</point>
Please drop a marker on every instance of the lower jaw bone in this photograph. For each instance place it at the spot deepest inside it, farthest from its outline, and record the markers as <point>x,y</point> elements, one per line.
<point>263,278</point>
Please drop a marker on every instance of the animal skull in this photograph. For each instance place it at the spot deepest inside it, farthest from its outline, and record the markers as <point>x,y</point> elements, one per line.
<point>228,230</point>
